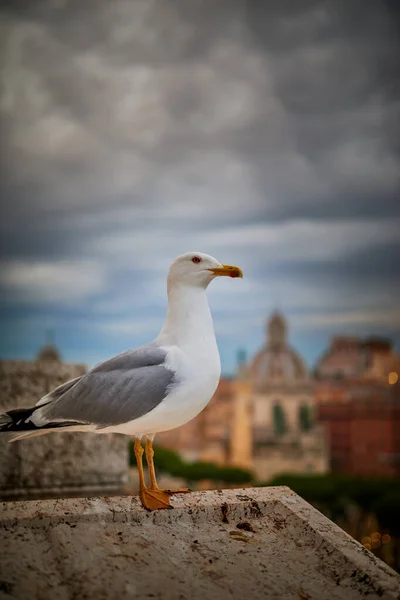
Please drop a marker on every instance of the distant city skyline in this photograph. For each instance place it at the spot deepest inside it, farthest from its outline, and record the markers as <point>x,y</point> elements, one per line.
<point>230,361</point>
<point>262,133</point>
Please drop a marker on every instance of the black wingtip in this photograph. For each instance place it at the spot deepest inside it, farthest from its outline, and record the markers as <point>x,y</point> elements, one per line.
<point>17,420</point>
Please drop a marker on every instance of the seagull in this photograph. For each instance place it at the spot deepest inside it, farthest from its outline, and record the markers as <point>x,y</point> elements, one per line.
<point>146,390</point>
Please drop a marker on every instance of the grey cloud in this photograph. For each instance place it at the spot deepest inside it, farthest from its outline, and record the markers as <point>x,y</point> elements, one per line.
<point>170,103</point>
<point>132,116</point>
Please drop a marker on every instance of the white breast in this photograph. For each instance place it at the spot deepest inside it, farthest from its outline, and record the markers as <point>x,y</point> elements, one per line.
<point>192,354</point>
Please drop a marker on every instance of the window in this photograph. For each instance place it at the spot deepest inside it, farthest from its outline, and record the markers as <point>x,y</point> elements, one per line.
<point>279,419</point>
<point>305,417</point>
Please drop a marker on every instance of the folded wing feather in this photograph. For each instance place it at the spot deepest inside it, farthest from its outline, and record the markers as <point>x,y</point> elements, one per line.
<point>116,391</point>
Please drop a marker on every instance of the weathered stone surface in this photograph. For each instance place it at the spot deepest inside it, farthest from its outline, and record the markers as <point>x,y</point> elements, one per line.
<point>58,463</point>
<point>260,543</point>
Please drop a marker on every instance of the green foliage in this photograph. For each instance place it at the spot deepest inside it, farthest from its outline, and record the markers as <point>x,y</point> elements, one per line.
<point>325,488</point>
<point>221,474</point>
<point>170,462</point>
<point>235,475</point>
<point>387,510</point>
<point>167,461</point>
<point>201,470</point>
<point>365,492</point>
<point>331,493</point>
<point>313,488</point>
<point>205,470</point>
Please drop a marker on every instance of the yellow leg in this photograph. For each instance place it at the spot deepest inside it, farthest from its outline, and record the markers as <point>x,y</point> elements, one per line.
<point>152,472</point>
<point>150,498</point>
<point>150,465</point>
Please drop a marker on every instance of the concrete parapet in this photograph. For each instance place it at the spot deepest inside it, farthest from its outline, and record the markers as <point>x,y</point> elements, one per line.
<point>57,464</point>
<point>258,543</point>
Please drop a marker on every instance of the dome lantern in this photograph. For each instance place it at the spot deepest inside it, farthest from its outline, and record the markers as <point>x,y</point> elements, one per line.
<point>276,330</point>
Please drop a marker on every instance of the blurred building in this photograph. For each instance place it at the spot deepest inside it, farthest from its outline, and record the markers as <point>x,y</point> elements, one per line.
<point>357,395</point>
<point>263,419</point>
<point>383,364</point>
<point>350,360</point>
<point>58,463</point>
<point>364,430</point>
<point>285,435</point>
<point>346,357</point>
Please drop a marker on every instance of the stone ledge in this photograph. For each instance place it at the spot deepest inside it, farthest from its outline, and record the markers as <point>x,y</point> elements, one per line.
<point>56,493</point>
<point>246,543</point>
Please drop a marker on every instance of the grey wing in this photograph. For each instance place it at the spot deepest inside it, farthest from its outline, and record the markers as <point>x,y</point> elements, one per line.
<point>116,391</point>
<point>58,391</point>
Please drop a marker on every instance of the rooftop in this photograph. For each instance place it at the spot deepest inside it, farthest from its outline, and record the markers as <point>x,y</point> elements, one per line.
<point>264,543</point>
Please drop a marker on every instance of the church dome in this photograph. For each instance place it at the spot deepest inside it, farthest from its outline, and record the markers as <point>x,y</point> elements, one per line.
<point>276,363</point>
<point>49,353</point>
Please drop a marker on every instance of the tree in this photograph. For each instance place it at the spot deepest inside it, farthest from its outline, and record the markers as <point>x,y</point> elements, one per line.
<point>387,511</point>
<point>166,460</point>
<point>198,471</point>
<point>235,475</point>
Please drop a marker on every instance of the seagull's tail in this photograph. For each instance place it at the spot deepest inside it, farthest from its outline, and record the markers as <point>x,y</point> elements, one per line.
<point>18,423</point>
<point>14,437</point>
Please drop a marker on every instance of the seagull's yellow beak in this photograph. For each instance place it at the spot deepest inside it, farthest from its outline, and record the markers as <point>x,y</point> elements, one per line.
<point>227,271</point>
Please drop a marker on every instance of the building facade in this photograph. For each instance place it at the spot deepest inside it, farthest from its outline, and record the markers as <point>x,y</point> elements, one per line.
<point>350,360</point>
<point>358,402</point>
<point>364,430</point>
<point>286,437</point>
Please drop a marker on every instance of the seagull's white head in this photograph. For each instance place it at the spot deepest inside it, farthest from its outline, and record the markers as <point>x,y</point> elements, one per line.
<point>198,269</point>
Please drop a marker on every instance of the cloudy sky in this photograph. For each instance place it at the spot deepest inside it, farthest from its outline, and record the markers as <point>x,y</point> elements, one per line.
<point>262,133</point>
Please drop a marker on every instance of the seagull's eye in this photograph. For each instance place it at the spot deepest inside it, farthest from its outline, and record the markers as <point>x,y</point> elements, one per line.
<point>196,259</point>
